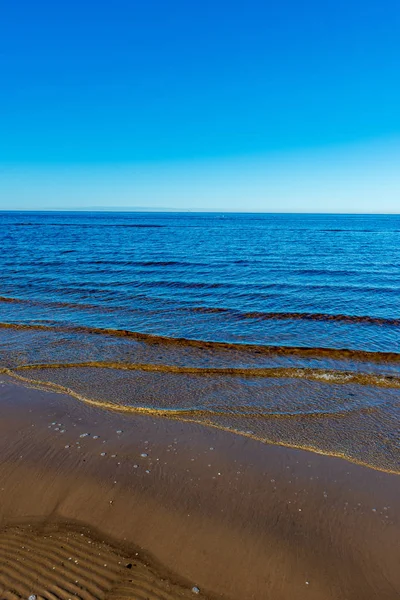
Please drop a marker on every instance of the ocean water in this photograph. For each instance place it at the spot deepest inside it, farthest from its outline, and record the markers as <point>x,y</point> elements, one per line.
<point>282,327</point>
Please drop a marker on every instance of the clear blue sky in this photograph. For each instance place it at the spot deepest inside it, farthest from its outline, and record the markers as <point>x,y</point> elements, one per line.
<point>204,105</point>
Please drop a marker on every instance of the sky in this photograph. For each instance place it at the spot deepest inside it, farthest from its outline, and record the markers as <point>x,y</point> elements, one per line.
<point>185,105</point>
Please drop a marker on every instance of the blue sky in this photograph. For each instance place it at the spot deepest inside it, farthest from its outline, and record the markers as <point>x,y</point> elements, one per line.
<point>261,106</point>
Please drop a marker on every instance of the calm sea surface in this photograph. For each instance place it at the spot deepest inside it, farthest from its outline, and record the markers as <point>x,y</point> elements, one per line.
<point>282,327</point>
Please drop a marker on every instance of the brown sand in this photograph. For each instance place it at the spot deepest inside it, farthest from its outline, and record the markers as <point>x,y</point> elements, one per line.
<point>237,518</point>
<point>63,561</point>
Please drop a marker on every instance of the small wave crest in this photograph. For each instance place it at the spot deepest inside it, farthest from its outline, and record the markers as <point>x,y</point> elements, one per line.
<point>324,375</point>
<point>271,350</point>
<point>299,316</point>
<point>294,424</point>
<point>236,314</point>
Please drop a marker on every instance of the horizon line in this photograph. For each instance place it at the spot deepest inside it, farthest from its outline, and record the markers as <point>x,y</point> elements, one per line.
<point>188,211</point>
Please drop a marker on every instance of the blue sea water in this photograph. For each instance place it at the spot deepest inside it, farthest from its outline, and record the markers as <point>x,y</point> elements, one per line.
<point>268,279</point>
<point>317,295</point>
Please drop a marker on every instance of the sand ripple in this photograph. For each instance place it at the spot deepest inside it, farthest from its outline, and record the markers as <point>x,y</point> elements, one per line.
<point>62,563</point>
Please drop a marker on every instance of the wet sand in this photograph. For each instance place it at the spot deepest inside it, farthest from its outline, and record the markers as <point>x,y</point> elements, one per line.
<point>97,504</point>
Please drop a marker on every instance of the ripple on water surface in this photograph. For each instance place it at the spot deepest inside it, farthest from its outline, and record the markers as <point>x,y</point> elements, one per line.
<point>283,327</point>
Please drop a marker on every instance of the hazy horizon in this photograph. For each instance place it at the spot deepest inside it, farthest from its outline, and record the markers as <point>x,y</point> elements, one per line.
<point>194,212</point>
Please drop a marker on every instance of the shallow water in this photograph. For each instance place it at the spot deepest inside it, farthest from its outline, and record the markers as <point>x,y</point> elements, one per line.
<point>283,327</point>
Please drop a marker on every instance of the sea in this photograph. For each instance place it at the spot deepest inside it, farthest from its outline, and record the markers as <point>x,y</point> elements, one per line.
<point>280,327</point>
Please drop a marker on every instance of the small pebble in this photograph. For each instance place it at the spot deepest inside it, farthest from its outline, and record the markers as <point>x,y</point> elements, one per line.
<point>143,455</point>
<point>195,590</point>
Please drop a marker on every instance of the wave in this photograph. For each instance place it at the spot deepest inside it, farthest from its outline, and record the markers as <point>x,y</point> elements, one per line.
<point>143,263</point>
<point>241,289</point>
<point>259,289</point>
<point>148,338</point>
<point>209,310</point>
<point>323,375</point>
<point>237,314</point>
<point>205,417</point>
<point>299,316</point>
<point>187,285</point>
<point>178,412</point>
<point>352,231</point>
<point>166,263</point>
<point>92,225</point>
<point>11,300</point>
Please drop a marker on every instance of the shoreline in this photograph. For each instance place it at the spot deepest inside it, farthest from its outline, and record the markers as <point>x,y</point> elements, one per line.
<point>230,515</point>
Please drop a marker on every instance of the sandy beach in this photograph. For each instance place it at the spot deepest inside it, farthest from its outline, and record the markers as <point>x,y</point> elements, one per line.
<point>99,504</point>
<point>199,300</point>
